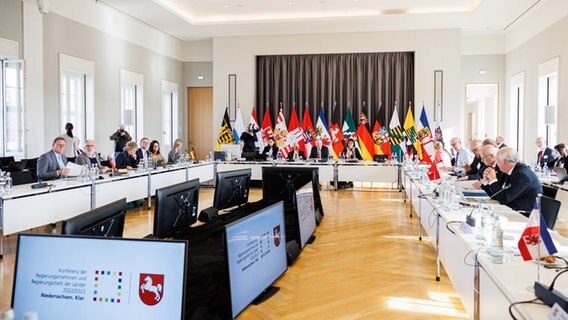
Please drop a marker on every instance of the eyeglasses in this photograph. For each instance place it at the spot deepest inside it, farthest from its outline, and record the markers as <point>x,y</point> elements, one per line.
<point>485,156</point>
<point>89,145</point>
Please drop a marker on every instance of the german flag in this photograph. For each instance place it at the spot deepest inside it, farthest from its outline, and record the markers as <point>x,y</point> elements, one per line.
<point>225,133</point>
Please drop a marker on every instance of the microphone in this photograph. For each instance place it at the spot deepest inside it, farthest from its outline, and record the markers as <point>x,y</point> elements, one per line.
<point>471,220</point>
<point>435,193</point>
<point>39,184</point>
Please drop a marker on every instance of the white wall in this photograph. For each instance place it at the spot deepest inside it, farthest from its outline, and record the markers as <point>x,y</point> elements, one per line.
<point>526,58</point>
<point>434,50</point>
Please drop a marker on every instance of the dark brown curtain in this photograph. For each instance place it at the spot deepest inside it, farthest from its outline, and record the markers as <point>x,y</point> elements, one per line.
<point>365,82</point>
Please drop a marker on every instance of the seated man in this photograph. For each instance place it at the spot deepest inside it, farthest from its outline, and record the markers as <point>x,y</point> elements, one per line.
<point>296,153</point>
<point>472,169</point>
<point>143,153</point>
<point>463,156</point>
<point>521,183</point>
<point>545,155</point>
<point>319,151</point>
<point>51,165</point>
<point>488,156</point>
<point>90,156</point>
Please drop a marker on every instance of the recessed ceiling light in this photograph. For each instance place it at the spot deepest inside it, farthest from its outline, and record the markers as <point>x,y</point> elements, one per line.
<point>226,6</point>
<point>482,71</point>
<point>289,3</point>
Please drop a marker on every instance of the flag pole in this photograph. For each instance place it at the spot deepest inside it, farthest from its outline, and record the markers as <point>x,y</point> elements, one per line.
<point>539,262</point>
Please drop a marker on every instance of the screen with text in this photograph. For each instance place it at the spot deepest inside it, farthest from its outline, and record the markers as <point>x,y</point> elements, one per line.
<point>65,277</point>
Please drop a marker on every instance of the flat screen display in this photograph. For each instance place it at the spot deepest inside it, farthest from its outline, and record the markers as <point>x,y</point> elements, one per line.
<point>256,254</point>
<point>72,277</point>
<point>306,212</point>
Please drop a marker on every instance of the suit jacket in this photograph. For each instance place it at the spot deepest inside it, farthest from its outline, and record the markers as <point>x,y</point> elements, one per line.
<point>503,145</point>
<point>300,154</point>
<point>523,188</point>
<point>476,165</point>
<point>274,151</point>
<point>355,154</point>
<point>83,159</point>
<point>548,157</point>
<point>47,166</point>
<point>124,160</point>
<point>324,153</point>
<point>140,156</point>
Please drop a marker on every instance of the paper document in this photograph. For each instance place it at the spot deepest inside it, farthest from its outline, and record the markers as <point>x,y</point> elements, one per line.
<point>74,169</point>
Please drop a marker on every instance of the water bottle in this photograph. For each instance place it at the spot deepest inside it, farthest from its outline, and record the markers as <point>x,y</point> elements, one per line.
<point>480,225</point>
<point>31,315</point>
<point>229,156</point>
<point>211,156</point>
<point>96,171</point>
<point>9,182</point>
<point>496,249</point>
<point>8,315</point>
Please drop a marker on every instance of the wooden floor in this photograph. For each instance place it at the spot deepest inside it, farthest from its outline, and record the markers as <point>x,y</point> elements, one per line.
<point>366,263</point>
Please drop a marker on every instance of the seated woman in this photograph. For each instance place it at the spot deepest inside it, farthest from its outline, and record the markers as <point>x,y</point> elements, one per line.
<point>296,153</point>
<point>559,162</point>
<point>442,157</point>
<point>271,149</point>
<point>351,151</point>
<point>90,157</point>
<point>127,158</point>
<point>175,154</point>
<point>157,158</point>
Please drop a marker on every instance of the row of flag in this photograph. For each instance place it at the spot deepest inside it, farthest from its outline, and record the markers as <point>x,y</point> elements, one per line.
<point>395,141</point>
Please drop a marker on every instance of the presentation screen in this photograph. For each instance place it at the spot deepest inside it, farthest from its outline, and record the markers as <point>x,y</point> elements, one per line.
<point>71,277</point>
<point>256,254</point>
<point>306,212</point>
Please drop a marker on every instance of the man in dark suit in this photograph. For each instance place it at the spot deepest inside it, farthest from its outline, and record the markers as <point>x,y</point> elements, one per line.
<point>143,153</point>
<point>545,155</point>
<point>500,142</point>
<point>319,151</point>
<point>520,183</point>
<point>488,156</point>
<point>472,169</point>
<point>296,153</point>
<point>51,165</point>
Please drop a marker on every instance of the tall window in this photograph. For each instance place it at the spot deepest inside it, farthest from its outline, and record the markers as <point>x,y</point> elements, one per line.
<point>12,104</point>
<point>73,102</point>
<point>516,118</point>
<point>76,95</point>
<point>131,102</point>
<point>169,113</point>
<point>548,100</point>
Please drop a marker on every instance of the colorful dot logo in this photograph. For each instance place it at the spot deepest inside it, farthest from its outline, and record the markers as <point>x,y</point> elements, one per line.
<point>107,286</point>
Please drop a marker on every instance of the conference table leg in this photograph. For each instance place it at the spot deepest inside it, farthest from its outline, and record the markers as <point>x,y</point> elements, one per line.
<point>410,197</point>
<point>437,246</point>
<point>419,219</point>
<point>476,302</point>
<point>2,229</point>
<point>149,190</point>
<point>399,179</point>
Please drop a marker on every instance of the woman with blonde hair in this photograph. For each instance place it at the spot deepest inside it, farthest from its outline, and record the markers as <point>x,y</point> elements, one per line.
<point>441,157</point>
<point>175,153</point>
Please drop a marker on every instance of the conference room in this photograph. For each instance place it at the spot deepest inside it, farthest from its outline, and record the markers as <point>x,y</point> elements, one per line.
<point>363,89</point>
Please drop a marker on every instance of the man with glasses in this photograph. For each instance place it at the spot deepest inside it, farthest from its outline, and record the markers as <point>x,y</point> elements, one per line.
<point>463,156</point>
<point>90,157</point>
<point>472,169</point>
<point>545,155</point>
<point>520,183</point>
<point>51,165</point>
<point>488,156</point>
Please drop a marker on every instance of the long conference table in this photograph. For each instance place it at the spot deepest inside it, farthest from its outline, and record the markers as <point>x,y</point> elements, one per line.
<point>486,289</point>
<point>26,208</point>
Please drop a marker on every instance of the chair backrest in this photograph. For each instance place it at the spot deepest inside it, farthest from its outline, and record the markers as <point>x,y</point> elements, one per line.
<point>22,177</point>
<point>549,209</point>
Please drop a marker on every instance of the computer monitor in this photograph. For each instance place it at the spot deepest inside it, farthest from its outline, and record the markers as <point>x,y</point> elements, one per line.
<point>256,255</point>
<point>175,208</point>
<point>231,188</point>
<point>305,208</point>
<point>105,221</point>
<point>280,182</point>
<point>91,278</point>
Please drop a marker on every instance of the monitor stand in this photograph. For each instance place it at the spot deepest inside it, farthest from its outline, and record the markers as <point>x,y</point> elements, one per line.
<point>265,295</point>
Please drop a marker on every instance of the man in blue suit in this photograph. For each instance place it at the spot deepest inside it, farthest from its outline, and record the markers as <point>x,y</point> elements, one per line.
<point>51,165</point>
<point>521,183</point>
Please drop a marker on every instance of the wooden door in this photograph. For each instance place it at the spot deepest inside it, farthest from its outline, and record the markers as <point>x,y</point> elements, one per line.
<point>200,117</point>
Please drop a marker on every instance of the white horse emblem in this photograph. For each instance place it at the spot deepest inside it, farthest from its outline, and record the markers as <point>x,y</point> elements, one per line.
<point>155,289</point>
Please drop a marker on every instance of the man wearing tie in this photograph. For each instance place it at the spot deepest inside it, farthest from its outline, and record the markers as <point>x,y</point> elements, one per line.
<point>143,153</point>
<point>320,151</point>
<point>51,165</point>
<point>545,155</point>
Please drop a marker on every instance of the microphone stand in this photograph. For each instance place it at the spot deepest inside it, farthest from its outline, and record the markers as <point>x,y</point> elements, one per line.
<point>470,220</point>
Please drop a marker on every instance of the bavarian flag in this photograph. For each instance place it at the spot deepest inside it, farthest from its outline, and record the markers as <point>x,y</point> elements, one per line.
<point>225,133</point>
<point>410,130</point>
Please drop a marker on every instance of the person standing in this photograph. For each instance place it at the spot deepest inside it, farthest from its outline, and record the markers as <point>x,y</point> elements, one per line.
<point>120,138</point>
<point>249,139</point>
<point>71,142</point>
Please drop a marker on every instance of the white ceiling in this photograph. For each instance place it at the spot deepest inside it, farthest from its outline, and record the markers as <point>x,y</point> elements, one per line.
<point>204,19</point>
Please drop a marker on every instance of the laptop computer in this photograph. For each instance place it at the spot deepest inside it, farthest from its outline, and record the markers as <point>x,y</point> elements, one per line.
<point>561,174</point>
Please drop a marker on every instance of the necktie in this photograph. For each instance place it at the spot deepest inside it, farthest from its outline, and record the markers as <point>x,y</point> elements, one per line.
<point>457,157</point>
<point>59,161</point>
<point>540,156</point>
<point>319,153</point>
